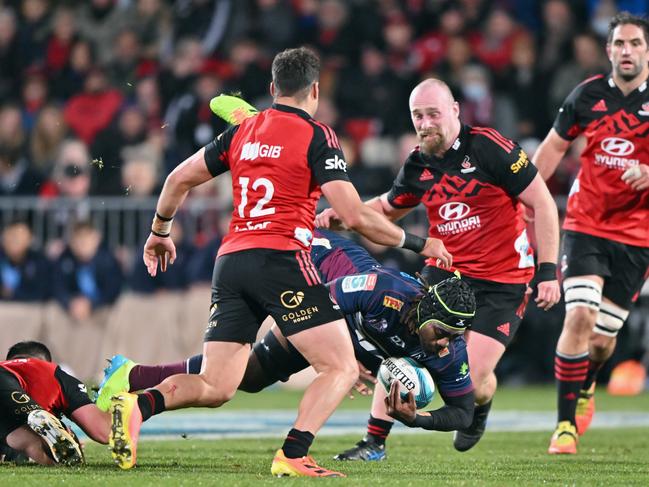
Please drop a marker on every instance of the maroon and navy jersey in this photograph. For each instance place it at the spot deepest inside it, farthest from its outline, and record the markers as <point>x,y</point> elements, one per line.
<point>48,385</point>
<point>278,158</point>
<point>616,128</point>
<point>470,196</point>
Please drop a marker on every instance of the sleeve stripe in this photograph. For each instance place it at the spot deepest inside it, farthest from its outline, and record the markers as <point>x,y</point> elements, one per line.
<point>492,134</point>
<point>332,140</point>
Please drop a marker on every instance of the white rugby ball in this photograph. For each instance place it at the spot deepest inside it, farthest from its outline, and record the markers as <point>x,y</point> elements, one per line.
<point>410,376</point>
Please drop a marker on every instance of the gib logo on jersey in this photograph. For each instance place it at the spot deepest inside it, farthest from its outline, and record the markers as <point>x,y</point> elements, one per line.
<point>457,218</point>
<point>254,150</point>
<point>615,149</point>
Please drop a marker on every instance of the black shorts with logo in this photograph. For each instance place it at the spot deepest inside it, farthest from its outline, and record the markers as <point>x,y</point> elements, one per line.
<point>623,267</point>
<point>249,285</point>
<point>15,404</point>
<point>499,307</point>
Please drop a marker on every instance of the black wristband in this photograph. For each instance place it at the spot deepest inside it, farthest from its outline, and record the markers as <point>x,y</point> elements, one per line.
<point>163,218</point>
<point>161,235</point>
<point>547,271</point>
<point>414,243</point>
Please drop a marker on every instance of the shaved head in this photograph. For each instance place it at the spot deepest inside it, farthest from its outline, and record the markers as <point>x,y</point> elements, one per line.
<point>435,115</point>
<point>429,85</point>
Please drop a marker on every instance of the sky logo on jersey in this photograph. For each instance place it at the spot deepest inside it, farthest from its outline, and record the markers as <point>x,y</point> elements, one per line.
<point>254,150</point>
<point>362,282</point>
<point>336,162</point>
<point>392,303</point>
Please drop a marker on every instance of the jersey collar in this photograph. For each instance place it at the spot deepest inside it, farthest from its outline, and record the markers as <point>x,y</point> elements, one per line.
<point>640,88</point>
<point>289,109</point>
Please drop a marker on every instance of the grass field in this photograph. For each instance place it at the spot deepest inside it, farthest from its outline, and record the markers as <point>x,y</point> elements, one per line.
<point>607,456</point>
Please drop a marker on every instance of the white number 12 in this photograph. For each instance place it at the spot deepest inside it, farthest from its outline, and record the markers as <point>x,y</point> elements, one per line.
<point>259,209</point>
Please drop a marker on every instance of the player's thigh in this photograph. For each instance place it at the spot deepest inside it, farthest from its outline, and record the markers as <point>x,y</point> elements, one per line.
<point>484,354</point>
<point>584,255</point>
<point>224,364</point>
<point>15,404</point>
<point>327,347</point>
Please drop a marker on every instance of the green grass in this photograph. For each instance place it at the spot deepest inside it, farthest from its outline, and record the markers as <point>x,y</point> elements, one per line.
<point>606,457</point>
<point>613,457</point>
<point>534,398</point>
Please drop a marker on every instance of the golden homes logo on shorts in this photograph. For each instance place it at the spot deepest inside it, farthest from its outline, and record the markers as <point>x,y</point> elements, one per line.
<point>293,299</point>
<point>19,397</point>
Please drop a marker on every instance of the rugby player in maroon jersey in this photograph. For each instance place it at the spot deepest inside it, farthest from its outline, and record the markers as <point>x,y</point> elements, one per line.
<point>34,393</point>
<point>605,252</point>
<point>281,160</point>
<point>474,183</point>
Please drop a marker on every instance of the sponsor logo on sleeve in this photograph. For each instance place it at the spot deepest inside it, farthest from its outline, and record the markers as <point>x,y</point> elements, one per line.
<point>362,282</point>
<point>336,163</point>
<point>393,303</point>
<point>521,163</point>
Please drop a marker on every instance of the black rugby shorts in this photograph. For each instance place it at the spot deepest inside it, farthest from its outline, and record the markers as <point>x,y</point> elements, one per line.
<point>623,267</point>
<point>249,285</point>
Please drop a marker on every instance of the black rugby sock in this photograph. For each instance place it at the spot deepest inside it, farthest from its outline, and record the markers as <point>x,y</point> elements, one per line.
<point>570,372</point>
<point>297,443</point>
<point>150,402</point>
<point>591,375</point>
<point>378,429</point>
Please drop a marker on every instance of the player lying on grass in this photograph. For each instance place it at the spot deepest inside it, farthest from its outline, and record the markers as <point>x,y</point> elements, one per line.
<point>34,393</point>
<point>389,313</point>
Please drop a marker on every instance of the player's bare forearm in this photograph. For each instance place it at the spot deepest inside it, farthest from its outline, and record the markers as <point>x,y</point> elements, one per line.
<point>383,206</point>
<point>93,421</point>
<point>549,154</point>
<point>190,173</point>
<point>546,230</point>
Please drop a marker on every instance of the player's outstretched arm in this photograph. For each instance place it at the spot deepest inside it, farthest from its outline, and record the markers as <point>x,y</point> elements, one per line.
<point>549,154</point>
<point>93,421</point>
<point>159,248</point>
<point>373,225</point>
<point>546,228</point>
<point>328,218</point>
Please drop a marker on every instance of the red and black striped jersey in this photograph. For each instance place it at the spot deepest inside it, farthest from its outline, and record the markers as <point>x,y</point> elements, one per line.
<point>471,199</point>
<point>616,128</point>
<point>48,385</point>
<point>278,158</point>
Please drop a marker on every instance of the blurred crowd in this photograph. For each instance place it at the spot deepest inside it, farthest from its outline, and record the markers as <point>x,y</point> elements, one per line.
<point>105,97</point>
<point>119,89</point>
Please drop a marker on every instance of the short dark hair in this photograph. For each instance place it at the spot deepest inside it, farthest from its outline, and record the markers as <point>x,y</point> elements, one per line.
<point>295,70</point>
<point>29,349</point>
<point>624,18</point>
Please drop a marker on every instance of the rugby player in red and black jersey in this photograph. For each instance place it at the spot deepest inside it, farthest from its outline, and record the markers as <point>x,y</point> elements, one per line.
<point>34,393</point>
<point>474,183</point>
<point>605,252</point>
<point>281,161</point>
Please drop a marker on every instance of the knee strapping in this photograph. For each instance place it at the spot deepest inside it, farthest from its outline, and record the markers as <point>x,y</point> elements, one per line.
<point>610,319</point>
<point>582,292</point>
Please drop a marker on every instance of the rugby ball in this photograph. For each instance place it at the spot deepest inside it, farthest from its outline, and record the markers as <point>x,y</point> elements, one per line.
<point>411,377</point>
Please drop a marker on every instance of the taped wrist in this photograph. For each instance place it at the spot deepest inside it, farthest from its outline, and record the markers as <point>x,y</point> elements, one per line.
<point>161,225</point>
<point>412,242</point>
<point>547,271</point>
